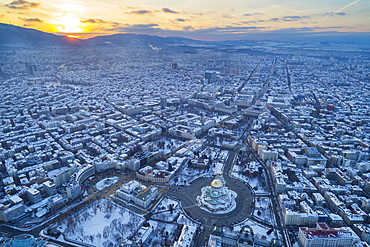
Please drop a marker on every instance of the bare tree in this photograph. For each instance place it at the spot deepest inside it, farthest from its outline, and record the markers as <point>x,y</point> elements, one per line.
<point>106,232</point>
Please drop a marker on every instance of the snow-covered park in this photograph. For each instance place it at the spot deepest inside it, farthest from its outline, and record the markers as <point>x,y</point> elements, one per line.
<point>259,231</point>
<point>264,210</point>
<point>256,183</point>
<point>100,223</point>
<point>167,210</point>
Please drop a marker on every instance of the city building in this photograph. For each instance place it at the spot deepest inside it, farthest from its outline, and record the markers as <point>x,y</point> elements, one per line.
<point>322,235</point>
<point>137,193</point>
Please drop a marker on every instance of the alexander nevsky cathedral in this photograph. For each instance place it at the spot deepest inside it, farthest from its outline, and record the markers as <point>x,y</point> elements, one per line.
<point>217,198</point>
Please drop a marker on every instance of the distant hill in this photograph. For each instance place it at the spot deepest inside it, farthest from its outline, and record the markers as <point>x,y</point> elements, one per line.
<point>11,35</point>
<point>126,39</point>
<point>14,35</point>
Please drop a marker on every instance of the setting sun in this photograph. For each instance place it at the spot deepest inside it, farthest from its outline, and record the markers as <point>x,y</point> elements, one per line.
<point>73,36</point>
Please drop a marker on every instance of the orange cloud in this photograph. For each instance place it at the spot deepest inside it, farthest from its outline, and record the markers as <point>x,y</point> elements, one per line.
<point>32,20</point>
<point>94,21</point>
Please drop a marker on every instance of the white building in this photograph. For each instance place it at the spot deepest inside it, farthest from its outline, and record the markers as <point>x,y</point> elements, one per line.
<point>134,191</point>
<point>34,195</point>
<point>73,190</point>
<point>187,236</point>
<point>8,212</point>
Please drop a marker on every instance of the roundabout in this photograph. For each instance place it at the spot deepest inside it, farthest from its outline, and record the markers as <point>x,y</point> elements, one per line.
<point>240,210</point>
<point>217,198</point>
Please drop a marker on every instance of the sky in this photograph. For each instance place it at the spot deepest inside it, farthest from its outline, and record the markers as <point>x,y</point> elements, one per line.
<point>197,19</point>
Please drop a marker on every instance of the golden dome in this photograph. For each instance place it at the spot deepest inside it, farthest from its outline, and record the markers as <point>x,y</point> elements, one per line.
<point>216,183</point>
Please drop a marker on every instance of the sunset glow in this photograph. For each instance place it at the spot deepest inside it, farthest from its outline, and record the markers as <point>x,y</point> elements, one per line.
<point>206,20</point>
<point>69,23</point>
<point>73,36</point>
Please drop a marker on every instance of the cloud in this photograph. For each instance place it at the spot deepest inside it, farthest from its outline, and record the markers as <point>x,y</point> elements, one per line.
<point>256,21</point>
<point>339,11</point>
<point>252,14</point>
<point>232,29</point>
<point>180,19</point>
<point>188,28</point>
<point>154,29</point>
<point>303,29</point>
<point>139,12</point>
<point>32,20</point>
<point>226,16</point>
<point>143,25</point>
<point>288,18</point>
<point>22,4</point>
<point>98,22</point>
<point>170,11</point>
<point>151,28</point>
<point>93,21</point>
<point>333,14</point>
<point>295,18</point>
<point>305,33</point>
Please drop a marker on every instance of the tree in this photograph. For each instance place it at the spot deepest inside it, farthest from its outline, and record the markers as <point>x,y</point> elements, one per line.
<point>106,232</point>
<point>170,168</point>
<point>190,164</point>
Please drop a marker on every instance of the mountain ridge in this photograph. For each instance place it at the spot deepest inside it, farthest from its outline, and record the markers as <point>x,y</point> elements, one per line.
<point>12,35</point>
<point>16,35</point>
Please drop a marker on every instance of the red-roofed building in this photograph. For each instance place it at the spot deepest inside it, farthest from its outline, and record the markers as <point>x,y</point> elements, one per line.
<point>322,235</point>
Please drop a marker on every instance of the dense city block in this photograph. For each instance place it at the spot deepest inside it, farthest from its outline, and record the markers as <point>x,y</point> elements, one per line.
<point>153,143</point>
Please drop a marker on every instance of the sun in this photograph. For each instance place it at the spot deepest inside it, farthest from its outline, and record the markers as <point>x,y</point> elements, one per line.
<point>71,36</point>
<point>70,23</point>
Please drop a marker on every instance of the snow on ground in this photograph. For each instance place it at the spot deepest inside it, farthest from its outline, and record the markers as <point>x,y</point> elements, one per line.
<point>258,230</point>
<point>222,155</point>
<point>220,118</point>
<point>168,145</point>
<point>106,182</point>
<point>161,233</point>
<point>188,175</point>
<point>100,223</point>
<point>164,204</point>
<point>217,166</point>
<point>255,183</point>
<point>163,212</point>
<point>182,219</point>
<point>264,210</point>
